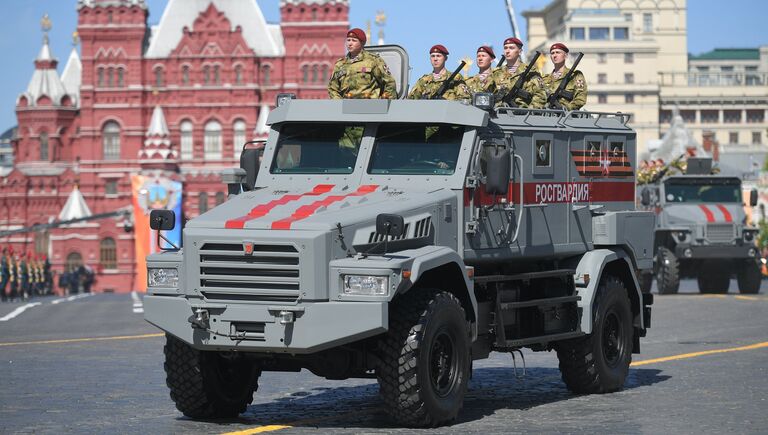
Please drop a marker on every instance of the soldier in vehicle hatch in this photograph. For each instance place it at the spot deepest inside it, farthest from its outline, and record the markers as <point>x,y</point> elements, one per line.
<point>360,74</point>
<point>428,85</point>
<point>512,72</point>
<point>487,79</point>
<point>577,84</point>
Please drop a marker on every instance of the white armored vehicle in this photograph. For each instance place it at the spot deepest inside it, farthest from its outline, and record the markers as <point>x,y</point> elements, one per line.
<point>402,240</point>
<point>701,230</point>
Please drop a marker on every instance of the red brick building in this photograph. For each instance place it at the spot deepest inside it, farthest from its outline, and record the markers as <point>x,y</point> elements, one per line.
<point>175,100</point>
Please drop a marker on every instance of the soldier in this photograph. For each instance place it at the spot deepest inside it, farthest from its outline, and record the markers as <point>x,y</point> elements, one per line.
<point>429,84</point>
<point>4,274</point>
<point>13,278</point>
<point>488,78</point>
<point>24,277</point>
<point>360,74</point>
<point>514,69</point>
<point>577,85</point>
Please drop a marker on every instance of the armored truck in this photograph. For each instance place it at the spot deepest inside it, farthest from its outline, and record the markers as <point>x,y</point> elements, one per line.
<point>701,231</point>
<point>402,240</point>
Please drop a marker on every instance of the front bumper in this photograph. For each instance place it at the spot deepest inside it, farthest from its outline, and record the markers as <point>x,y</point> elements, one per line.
<point>715,252</point>
<point>257,328</point>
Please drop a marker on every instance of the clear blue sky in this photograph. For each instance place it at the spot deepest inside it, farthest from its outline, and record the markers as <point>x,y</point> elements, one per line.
<point>416,25</point>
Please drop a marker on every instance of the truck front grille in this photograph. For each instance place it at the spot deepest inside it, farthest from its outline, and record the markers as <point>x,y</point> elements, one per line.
<point>269,274</point>
<point>720,233</point>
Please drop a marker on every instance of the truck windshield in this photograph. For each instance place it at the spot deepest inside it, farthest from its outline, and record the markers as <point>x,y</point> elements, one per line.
<point>416,149</point>
<point>311,148</point>
<point>703,191</point>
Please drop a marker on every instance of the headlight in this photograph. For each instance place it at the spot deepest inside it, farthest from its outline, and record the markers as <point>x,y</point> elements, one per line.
<point>748,236</point>
<point>482,100</point>
<point>366,285</point>
<point>682,235</point>
<point>163,277</point>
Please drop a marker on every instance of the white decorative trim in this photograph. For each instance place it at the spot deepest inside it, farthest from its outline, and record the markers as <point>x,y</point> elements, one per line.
<point>316,24</point>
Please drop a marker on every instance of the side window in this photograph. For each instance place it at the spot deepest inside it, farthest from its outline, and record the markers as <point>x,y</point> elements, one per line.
<point>593,147</point>
<point>543,154</point>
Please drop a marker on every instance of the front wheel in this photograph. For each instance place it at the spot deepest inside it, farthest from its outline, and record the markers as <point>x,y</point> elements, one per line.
<point>425,359</point>
<point>208,384</point>
<point>599,362</point>
<point>749,277</point>
<point>667,272</point>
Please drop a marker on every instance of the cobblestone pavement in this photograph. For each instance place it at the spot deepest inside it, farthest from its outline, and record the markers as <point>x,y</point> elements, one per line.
<point>117,385</point>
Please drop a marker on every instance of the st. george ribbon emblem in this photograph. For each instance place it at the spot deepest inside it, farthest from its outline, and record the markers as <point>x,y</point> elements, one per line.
<point>248,248</point>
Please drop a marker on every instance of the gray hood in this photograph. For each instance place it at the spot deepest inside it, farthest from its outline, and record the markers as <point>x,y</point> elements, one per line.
<point>703,213</point>
<point>313,208</point>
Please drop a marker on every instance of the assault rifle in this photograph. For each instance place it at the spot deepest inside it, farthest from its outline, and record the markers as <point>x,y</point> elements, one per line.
<point>553,100</point>
<point>501,62</point>
<point>439,94</point>
<point>517,90</point>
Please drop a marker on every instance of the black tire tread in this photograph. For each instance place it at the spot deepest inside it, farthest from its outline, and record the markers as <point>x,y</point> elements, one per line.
<point>669,273</point>
<point>577,361</point>
<point>397,373</point>
<point>192,394</point>
<point>749,277</point>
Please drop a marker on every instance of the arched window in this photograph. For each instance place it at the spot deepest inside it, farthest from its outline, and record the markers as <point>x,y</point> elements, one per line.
<point>305,73</point>
<point>41,242</point>
<point>111,141</point>
<point>265,75</point>
<point>314,73</point>
<point>74,260</point>
<point>158,77</point>
<point>206,75</point>
<point>185,75</point>
<point>43,146</point>
<point>216,75</point>
<point>108,254</point>
<point>239,75</point>
<point>212,144</point>
<point>220,198</point>
<point>239,137</point>
<point>187,145</point>
<point>111,77</point>
<point>100,74</point>
<point>120,77</point>
<point>324,73</point>
<point>202,200</point>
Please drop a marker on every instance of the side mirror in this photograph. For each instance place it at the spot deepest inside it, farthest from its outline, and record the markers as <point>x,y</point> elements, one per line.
<point>645,197</point>
<point>250,160</point>
<point>753,197</point>
<point>498,170</point>
<point>162,220</point>
<point>390,224</point>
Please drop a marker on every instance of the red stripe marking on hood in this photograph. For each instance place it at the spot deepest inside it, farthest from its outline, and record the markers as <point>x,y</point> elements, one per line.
<point>263,209</point>
<point>726,213</point>
<point>308,210</point>
<point>707,212</point>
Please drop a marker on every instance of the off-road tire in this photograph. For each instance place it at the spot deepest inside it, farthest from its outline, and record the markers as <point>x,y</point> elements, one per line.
<point>599,362</point>
<point>646,281</point>
<point>711,280</point>
<point>206,384</point>
<point>667,272</point>
<point>749,277</point>
<point>415,391</point>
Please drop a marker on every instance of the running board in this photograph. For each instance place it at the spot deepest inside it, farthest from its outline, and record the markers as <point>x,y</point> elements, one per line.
<point>524,276</point>
<point>542,339</point>
<point>538,302</point>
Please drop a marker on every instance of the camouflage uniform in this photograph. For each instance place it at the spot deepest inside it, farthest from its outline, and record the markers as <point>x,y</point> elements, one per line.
<point>364,76</point>
<point>577,85</point>
<point>533,85</point>
<point>491,82</point>
<point>428,85</point>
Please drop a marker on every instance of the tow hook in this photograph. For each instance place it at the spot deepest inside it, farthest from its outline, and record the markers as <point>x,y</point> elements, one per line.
<point>199,320</point>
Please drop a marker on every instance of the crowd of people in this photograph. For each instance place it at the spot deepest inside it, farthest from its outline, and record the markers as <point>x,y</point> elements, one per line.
<point>361,74</point>
<point>24,275</point>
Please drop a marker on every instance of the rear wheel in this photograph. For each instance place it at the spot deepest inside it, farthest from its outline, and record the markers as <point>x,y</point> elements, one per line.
<point>712,279</point>
<point>425,359</point>
<point>208,384</point>
<point>667,272</point>
<point>599,362</point>
<point>749,277</point>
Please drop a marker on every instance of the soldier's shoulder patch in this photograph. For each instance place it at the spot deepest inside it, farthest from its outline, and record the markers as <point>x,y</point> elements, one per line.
<point>579,83</point>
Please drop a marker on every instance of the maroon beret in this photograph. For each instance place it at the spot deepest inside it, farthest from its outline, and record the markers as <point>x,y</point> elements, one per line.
<point>560,46</point>
<point>515,41</point>
<point>486,49</point>
<point>438,49</point>
<point>357,33</point>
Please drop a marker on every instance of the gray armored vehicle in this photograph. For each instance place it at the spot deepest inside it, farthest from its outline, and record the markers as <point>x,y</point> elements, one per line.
<point>401,240</point>
<point>701,231</point>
